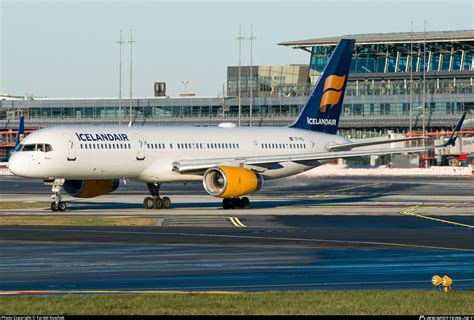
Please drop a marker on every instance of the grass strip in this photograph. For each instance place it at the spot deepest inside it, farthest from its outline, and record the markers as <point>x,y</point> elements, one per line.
<point>64,220</point>
<point>23,205</point>
<point>357,302</point>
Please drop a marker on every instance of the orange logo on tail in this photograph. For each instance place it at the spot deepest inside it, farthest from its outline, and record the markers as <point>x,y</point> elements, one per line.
<point>332,91</point>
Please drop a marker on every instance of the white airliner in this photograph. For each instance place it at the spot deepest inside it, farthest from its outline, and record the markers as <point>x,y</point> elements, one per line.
<point>231,162</point>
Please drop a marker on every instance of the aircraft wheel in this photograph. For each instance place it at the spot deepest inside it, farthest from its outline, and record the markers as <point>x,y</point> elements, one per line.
<point>227,203</point>
<point>158,203</point>
<point>54,206</point>
<point>244,202</point>
<point>166,203</point>
<point>236,203</point>
<point>62,206</point>
<point>148,203</point>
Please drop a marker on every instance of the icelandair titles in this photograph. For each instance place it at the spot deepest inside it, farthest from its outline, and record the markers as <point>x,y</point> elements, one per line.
<point>101,137</point>
<point>325,122</point>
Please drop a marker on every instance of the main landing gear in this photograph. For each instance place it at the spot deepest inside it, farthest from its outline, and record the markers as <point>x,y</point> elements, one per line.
<point>235,203</point>
<point>155,201</point>
<point>56,186</point>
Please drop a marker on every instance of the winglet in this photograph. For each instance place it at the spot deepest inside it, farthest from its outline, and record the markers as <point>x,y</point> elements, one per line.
<point>21,131</point>
<point>454,134</point>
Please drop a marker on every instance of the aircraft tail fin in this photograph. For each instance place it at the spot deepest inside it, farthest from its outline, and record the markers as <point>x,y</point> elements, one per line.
<point>323,107</point>
<point>21,131</point>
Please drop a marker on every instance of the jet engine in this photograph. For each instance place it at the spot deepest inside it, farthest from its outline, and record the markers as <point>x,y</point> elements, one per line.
<point>90,188</point>
<point>231,182</point>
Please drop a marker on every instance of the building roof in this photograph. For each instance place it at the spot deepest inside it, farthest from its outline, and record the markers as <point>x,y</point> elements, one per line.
<point>385,38</point>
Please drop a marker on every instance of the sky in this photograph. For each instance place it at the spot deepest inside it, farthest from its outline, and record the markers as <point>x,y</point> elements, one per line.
<point>69,48</point>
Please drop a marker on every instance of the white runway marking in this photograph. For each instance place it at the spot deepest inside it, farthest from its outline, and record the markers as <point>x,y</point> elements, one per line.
<point>236,222</point>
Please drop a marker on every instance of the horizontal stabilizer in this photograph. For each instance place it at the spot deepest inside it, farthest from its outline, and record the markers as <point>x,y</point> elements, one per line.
<point>350,145</point>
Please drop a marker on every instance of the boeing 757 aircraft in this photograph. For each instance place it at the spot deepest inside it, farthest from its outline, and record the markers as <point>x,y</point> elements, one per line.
<point>231,162</point>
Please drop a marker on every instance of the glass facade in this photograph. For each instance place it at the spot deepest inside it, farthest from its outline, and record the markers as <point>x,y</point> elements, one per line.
<point>147,108</point>
<point>363,98</point>
<point>269,81</point>
<point>390,58</point>
<point>379,83</point>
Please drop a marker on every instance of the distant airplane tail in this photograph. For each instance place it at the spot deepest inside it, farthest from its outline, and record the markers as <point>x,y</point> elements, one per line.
<point>21,131</point>
<point>323,107</point>
<point>455,134</point>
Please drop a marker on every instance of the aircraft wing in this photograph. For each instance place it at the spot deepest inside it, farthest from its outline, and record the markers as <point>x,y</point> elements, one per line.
<point>185,166</point>
<point>200,165</point>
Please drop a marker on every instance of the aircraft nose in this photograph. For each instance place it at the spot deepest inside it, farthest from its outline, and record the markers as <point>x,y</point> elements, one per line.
<point>17,165</point>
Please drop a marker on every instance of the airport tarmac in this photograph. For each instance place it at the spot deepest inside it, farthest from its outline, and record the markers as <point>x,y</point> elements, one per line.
<point>330,233</point>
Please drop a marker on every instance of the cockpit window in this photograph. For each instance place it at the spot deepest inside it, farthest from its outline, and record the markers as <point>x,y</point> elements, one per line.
<point>29,147</point>
<point>34,147</point>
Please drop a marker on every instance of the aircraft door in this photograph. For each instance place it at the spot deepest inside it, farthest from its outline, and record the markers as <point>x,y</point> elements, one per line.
<point>140,147</point>
<point>310,142</point>
<point>255,147</point>
<point>71,148</point>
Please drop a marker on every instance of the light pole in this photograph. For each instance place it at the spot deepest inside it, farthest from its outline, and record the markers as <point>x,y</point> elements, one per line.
<point>185,82</point>
<point>131,42</point>
<point>411,79</point>
<point>425,66</point>
<point>424,78</point>
<point>120,42</point>
<point>240,38</point>
<point>251,39</point>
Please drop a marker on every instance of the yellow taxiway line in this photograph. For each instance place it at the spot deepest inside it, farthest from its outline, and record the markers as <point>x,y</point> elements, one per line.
<point>411,211</point>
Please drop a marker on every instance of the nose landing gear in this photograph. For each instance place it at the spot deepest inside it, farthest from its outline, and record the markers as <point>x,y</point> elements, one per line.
<point>56,186</point>
<point>58,206</point>
<point>155,201</point>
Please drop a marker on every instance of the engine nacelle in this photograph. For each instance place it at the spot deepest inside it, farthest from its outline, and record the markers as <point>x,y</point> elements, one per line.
<point>90,188</point>
<point>231,182</point>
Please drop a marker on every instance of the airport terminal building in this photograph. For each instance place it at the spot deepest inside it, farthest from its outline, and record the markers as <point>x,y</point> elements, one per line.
<point>385,83</point>
<point>387,72</point>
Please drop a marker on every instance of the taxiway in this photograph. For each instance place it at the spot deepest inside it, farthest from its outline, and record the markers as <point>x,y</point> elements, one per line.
<point>375,233</point>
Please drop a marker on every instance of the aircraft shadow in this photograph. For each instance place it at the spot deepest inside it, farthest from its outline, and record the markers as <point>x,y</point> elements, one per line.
<point>352,197</point>
<point>255,204</point>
